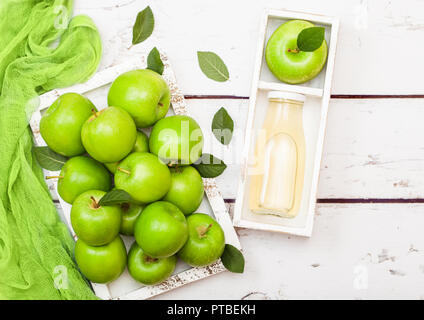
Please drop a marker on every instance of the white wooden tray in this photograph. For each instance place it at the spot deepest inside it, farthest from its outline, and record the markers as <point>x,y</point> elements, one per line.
<point>213,204</point>
<point>315,109</point>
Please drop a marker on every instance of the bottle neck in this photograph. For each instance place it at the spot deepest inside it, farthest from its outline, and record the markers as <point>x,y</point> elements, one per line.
<point>280,110</point>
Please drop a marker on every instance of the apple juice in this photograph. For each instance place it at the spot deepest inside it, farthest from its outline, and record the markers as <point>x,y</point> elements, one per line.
<point>278,172</point>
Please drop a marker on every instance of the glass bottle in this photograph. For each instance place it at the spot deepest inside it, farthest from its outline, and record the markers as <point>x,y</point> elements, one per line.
<point>277,180</point>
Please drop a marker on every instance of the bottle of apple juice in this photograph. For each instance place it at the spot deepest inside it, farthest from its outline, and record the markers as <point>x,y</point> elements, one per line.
<point>277,179</point>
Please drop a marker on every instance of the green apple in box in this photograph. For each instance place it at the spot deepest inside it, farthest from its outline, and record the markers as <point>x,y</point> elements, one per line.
<point>296,52</point>
<point>206,241</point>
<point>62,122</point>
<point>161,230</point>
<point>94,224</point>
<point>148,270</point>
<point>130,214</point>
<point>144,94</point>
<point>143,176</point>
<point>81,174</point>
<point>101,264</point>
<point>186,190</point>
<point>177,139</point>
<point>109,135</point>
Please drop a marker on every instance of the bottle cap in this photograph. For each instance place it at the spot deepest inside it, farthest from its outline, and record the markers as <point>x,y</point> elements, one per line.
<point>286,95</point>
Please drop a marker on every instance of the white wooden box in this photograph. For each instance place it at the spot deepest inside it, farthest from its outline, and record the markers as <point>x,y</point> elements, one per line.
<point>317,92</point>
<point>213,204</point>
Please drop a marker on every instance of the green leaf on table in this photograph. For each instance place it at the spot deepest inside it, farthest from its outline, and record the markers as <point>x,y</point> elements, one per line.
<point>143,26</point>
<point>209,166</point>
<point>233,259</point>
<point>114,197</point>
<point>310,39</point>
<point>212,66</point>
<point>48,159</point>
<point>223,126</point>
<point>154,61</point>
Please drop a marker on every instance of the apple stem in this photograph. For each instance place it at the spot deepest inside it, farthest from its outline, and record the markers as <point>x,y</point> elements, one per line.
<point>150,259</point>
<point>54,177</point>
<point>201,230</point>
<point>124,171</point>
<point>94,203</point>
<point>94,112</point>
<point>125,207</point>
<point>293,50</point>
<point>161,104</point>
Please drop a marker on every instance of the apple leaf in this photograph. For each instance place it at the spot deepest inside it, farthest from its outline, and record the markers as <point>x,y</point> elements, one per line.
<point>209,166</point>
<point>233,259</point>
<point>154,61</point>
<point>48,159</point>
<point>310,39</point>
<point>143,26</point>
<point>223,126</point>
<point>114,197</point>
<point>212,66</point>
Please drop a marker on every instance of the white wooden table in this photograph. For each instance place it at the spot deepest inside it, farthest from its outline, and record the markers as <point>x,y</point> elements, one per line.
<point>368,239</point>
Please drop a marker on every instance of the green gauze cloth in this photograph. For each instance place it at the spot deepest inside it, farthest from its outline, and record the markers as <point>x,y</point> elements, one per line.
<point>39,51</point>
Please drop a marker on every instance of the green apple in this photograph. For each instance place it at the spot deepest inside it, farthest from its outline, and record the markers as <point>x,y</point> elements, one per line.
<point>143,176</point>
<point>94,224</point>
<point>186,190</point>
<point>130,213</point>
<point>109,135</point>
<point>148,270</point>
<point>143,93</point>
<point>206,241</point>
<point>141,142</point>
<point>80,174</point>
<point>177,139</point>
<point>101,264</point>
<point>112,166</point>
<point>141,145</point>
<point>61,124</point>
<point>286,62</point>
<point>161,230</point>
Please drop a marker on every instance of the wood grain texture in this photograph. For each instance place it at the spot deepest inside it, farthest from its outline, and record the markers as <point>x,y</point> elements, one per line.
<point>371,149</point>
<point>357,251</point>
<point>378,49</point>
<point>369,251</point>
<point>372,152</point>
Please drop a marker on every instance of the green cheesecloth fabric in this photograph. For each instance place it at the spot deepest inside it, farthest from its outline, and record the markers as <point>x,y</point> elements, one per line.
<point>39,51</point>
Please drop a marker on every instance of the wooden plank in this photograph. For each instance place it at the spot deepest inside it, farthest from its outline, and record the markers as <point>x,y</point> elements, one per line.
<point>356,252</point>
<point>372,147</point>
<point>377,51</point>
